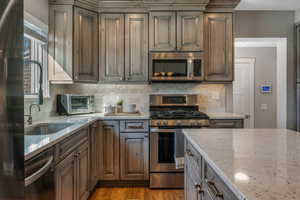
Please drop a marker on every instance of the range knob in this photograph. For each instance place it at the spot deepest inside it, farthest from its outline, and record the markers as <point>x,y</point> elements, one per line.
<point>178,123</point>
<point>197,123</point>
<point>165,123</point>
<point>193,123</point>
<point>158,123</point>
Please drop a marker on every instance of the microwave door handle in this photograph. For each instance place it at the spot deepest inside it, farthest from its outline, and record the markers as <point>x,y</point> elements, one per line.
<point>35,176</point>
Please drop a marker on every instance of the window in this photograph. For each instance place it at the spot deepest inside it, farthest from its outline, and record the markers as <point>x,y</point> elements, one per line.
<point>35,48</point>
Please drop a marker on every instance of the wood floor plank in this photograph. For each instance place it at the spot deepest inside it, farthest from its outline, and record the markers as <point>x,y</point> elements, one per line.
<point>136,193</point>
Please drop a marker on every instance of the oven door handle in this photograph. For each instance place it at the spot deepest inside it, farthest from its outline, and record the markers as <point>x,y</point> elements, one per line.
<point>35,176</point>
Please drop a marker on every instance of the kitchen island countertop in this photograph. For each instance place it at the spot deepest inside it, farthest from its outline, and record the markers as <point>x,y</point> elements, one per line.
<point>256,164</point>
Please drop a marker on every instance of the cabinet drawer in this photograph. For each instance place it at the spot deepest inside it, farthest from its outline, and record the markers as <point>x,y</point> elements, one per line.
<point>226,123</point>
<point>215,187</point>
<point>193,156</point>
<point>68,145</point>
<point>134,126</point>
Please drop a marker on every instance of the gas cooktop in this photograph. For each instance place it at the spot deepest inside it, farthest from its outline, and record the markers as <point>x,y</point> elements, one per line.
<point>178,114</point>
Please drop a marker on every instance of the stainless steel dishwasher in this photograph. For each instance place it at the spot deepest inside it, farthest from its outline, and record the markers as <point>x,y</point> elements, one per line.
<point>39,177</point>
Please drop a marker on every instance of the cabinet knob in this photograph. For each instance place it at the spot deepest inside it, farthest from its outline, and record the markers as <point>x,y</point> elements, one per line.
<point>189,153</point>
<point>199,188</point>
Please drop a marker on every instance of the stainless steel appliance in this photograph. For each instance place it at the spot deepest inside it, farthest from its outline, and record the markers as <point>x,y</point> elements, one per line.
<point>72,104</point>
<point>297,29</point>
<point>169,114</point>
<point>176,66</point>
<point>39,177</point>
<point>11,100</point>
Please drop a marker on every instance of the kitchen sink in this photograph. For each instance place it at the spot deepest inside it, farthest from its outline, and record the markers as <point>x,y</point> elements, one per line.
<point>46,128</point>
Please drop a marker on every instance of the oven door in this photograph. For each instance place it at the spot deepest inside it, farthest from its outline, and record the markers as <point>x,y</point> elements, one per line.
<point>162,150</point>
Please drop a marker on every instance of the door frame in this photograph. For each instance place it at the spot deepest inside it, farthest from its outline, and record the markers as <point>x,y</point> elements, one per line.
<point>250,61</point>
<point>281,71</point>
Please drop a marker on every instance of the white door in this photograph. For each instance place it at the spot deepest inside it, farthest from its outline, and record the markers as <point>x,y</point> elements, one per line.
<point>243,89</point>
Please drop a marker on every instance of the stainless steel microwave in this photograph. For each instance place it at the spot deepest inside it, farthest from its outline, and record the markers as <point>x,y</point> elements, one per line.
<point>71,104</point>
<point>176,66</point>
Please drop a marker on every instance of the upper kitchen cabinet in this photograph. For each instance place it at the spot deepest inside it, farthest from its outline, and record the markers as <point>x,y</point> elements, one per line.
<point>136,47</point>
<point>112,47</point>
<point>85,45</point>
<point>124,47</point>
<point>73,44</point>
<point>190,31</point>
<point>176,31</point>
<point>218,47</point>
<point>162,31</point>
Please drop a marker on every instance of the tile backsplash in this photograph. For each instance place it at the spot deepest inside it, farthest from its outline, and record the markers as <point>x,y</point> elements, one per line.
<point>212,97</point>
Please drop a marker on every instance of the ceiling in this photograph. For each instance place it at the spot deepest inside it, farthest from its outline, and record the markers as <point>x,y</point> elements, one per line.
<point>269,5</point>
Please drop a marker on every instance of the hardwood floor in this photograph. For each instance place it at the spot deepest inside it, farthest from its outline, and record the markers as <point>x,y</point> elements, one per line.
<point>136,193</point>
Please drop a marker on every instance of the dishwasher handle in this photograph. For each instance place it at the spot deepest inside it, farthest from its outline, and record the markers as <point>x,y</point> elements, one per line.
<point>35,176</point>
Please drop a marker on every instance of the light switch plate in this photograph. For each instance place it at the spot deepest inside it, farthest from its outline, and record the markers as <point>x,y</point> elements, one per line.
<point>264,106</point>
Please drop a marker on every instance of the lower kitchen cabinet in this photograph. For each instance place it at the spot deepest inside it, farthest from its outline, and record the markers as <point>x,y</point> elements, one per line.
<point>66,178</point>
<point>72,175</point>
<point>109,150</point>
<point>83,171</point>
<point>134,157</point>
<point>95,132</point>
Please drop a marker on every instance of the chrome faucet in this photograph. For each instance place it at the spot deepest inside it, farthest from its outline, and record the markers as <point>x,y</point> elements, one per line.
<point>29,120</point>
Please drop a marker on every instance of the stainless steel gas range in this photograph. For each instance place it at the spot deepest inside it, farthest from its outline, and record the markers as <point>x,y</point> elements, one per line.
<point>170,114</point>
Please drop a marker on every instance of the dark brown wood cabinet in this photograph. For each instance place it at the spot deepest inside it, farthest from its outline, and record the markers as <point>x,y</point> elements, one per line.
<point>176,31</point>
<point>190,31</point>
<point>85,46</point>
<point>162,31</point>
<point>83,164</point>
<point>136,47</point>
<point>72,175</point>
<point>109,150</point>
<point>134,156</point>
<point>218,49</point>
<point>65,173</point>
<point>112,47</point>
<point>95,131</point>
<point>124,48</point>
<point>73,44</point>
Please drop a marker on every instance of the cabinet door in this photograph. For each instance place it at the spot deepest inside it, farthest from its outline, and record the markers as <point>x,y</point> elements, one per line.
<point>193,191</point>
<point>94,154</point>
<point>162,31</point>
<point>60,58</point>
<point>66,181</point>
<point>85,45</point>
<point>83,171</point>
<point>136,47</point>
<point>190,31</point>
<point>218,47</point>
<point>112,47</point>
<point>109,150</point>
<point>134,156</point>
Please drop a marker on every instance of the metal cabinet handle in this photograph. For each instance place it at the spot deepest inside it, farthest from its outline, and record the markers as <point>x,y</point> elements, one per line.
<point>32,178</point>
<point>199,188</point>
<point>212,187</point>
<point>135,127</point>
<point>189,153</point>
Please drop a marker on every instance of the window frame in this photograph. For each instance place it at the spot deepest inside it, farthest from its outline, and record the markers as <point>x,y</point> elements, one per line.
<point>43,33</point>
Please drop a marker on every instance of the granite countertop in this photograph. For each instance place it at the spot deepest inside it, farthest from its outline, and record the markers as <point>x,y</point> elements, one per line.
<point>225,116</point>
<point>34,144</point>
<point>260,164</point>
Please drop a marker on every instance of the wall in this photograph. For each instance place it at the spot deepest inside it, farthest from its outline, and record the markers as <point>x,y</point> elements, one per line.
<point>297,16</point>
<point>264,73</point>
<point>212,97</point>
<point>255,24</point>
